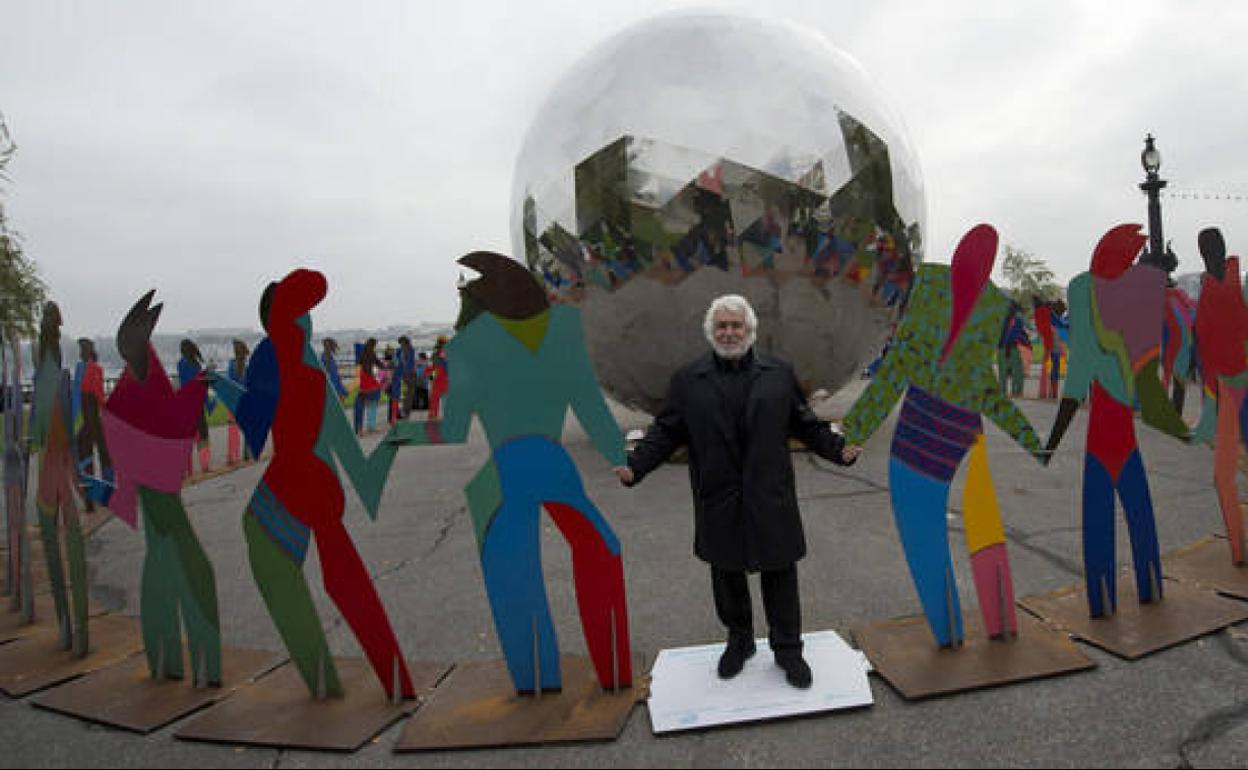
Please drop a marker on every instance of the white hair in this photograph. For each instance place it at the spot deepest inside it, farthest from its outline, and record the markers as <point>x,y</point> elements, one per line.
<point>736,304</point>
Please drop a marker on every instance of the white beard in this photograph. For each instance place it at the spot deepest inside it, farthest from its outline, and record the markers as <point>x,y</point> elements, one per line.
<point>731,352</point>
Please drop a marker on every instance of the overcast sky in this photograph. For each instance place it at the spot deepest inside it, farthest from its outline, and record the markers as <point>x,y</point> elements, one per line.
<point>206,148</point>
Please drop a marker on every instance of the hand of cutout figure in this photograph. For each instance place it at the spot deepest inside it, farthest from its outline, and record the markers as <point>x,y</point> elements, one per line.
<point>1065,413</point>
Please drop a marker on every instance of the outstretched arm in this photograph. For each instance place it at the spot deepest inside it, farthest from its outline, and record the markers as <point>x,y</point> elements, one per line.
<point>368,473</point>
<point>1006,414</point>
<point>451,429</point>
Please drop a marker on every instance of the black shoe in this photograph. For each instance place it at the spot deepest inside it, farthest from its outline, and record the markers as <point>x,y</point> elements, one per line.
<point>733,659</point>
<point>796,671</point>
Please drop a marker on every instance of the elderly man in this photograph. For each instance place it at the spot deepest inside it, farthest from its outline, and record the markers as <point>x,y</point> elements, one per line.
<point>736,409</point>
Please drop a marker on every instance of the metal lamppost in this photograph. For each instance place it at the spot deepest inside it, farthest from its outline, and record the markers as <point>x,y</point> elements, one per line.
<point>1158,254</point>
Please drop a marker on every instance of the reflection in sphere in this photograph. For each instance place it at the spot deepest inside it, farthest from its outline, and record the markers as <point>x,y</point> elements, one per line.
<point>695,155</point>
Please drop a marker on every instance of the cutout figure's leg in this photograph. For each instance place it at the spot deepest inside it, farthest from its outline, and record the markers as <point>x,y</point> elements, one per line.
<point>158,606</point>
<point>1137,504</point>
<point>1226,444</point>
<point>56,571</point>
<point>76,552</point>
<point>919,505</point>
<point>285,591</point>
<point>15,511</point>
<point>351,588</point>
<point>234,443</point>
<point>193,583</point>
<point>1098,538</point>
<point>600,595</point>
<point>985,539</point>
<point>511,561</point>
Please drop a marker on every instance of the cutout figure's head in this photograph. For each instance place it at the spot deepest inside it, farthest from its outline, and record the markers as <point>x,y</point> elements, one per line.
<point>294,297</point>
<point>504,288</point>
<point>135,334</point>
<point>86,350</point>
<point>1116,250</point>
<point>266,304</point>
<point>50,332</point>
<point>968,275</point>
<point>240,351</point>
<point>1213,251</point>
<point>190,351</point>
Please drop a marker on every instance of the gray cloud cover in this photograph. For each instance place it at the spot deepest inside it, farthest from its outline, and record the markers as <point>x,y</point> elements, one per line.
<point>207,148</point>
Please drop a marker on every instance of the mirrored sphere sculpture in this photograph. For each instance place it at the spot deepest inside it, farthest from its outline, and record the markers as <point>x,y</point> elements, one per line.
<point>701,154</point>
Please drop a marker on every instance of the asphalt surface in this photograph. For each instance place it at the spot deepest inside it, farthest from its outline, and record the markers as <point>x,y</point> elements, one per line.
<point>1183,707</point>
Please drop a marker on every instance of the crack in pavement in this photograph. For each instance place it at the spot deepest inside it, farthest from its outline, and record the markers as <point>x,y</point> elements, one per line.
<point>1220,721</point>
<point>448,521</point>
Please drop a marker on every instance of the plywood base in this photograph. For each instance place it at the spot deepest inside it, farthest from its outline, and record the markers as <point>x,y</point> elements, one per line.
<point>125,695</point>
<point>1136,630</point>
<point>33,663</point>
<point>904,652</point>
<point>1207,563</point>
<point>477,707</point>
<point>277,711</point>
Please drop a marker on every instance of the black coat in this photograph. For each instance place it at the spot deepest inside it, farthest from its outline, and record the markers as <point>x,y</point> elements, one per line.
<point>744,498</point>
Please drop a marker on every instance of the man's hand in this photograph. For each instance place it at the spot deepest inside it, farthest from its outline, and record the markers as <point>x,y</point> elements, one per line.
<point>624,474</point>
<point>850,452</point>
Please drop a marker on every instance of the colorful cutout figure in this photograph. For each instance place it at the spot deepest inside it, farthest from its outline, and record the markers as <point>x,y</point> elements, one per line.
<point>1116,315</point>
<point>89,389</point>
<point>300,495</point>
<point>150,429</point>
<point>519,365</point>
<point>50,435</point>
<point>189,367</point>
<point>1222,334</point>
<point>236,371</point>
<point>1046,319</point>
<point>19,582</point>
<point>942,359</point>
<point>1009,352</point>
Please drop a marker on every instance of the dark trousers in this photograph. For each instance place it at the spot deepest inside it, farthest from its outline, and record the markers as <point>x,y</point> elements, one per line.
<point>780,602</point>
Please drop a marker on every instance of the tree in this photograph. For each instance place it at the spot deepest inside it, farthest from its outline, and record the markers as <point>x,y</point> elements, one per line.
<point>1027,276</point>
<point>22,291</point>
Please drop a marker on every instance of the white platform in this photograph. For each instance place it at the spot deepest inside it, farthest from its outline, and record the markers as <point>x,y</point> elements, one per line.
<point>686,693</point>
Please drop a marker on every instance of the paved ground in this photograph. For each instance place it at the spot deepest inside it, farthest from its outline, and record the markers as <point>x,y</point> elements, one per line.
<point>1187,706</point>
